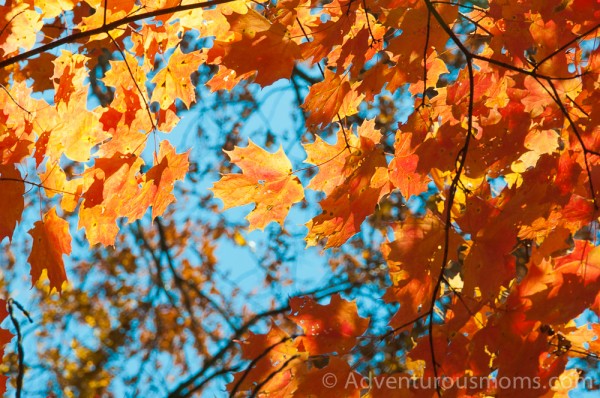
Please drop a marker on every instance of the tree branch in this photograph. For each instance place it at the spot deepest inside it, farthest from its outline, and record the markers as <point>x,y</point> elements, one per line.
<point>106,28</point>
<point>188,387</point>
<point>267,350</point>
<point>453,186</point>
<point>9,307</point>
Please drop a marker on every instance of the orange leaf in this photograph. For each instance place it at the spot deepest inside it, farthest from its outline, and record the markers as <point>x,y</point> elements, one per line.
<point>51,239</point>
<point>331,160</point>
<point>74,117</point>
<point>414,258</point>
<point>355,181</point>
<point>257,45</point>
<point>337,379</point>
<point>576,276</point>
<point>20,27</point>
<point>170,168</point>
<point>69,76</point>
<point>331,33</point>
<point>266,180</point>
<point>325,99</point>
<point>112,190</point>
<point>226,79</point>
<point>100,225</point>
<point>11,200</point>
<point>55,183</point>
<point>173,81</point>
<point>329,328</point>
<point>270,352</point>
<point>403,168</point>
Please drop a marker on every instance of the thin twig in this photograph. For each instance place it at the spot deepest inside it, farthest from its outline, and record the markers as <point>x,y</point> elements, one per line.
<point>189,386</point>
<point>36,185</point>
<point>566,45</point>
<point>272,375</point>
<point>10,21</point>
<point>373,39</point>
<point>425,49</point>
<point>135,83</point>
<point>251,365</point>
<point>395,330</point>
<point>9,307</point>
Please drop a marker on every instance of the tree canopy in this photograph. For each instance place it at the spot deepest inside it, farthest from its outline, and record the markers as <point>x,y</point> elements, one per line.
<point>419,184</point>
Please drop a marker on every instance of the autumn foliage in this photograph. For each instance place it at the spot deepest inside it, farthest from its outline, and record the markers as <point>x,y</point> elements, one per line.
<point>447,168</point>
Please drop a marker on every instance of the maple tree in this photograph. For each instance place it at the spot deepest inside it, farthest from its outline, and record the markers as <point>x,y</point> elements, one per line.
<point>446,164</point>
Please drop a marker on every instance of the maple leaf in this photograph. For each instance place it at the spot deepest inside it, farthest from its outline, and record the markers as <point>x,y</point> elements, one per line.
<point>520,351</point>
<point>170,168</point>
<point>111,190</point>
<point>403,168</point>
<point>360,181</point>
<point>126,129</point>
<point>98,18</point>
<point>325,99</point>
<point>55,181</point>
<point>449,351</point>
<point>336,379</point>
<point>11,201</point>
<point>128,78</point>
<point>20,26</point>
<point>100,226</point>
<point>266,180</point>
<point>413,258</point>
<point>226,79</point>
<point>380,76</point>
<point>154,40</point>
<point>69,76</point>
<point>173,81</point>
<point>53,8</point>
<point>329,328</point>
<point>69,117</point>
<point>360,45</point>
<point>253,47</point>
<point>332,32</point>
<point>331,160</point>
<point>269,351</point>
<point>5,338</point>
<point>567,280</point>
<point>489,264</point>
<point>51,239</point>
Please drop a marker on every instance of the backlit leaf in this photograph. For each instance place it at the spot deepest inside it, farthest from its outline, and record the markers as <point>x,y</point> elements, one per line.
<point>266,180</point>
<point>51,240</point>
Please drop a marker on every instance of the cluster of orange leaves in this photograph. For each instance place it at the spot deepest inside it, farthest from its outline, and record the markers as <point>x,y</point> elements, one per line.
<point>522,117</point>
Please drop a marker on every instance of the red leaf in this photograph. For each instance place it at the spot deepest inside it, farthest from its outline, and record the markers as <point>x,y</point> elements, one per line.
<point>329,328</point>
